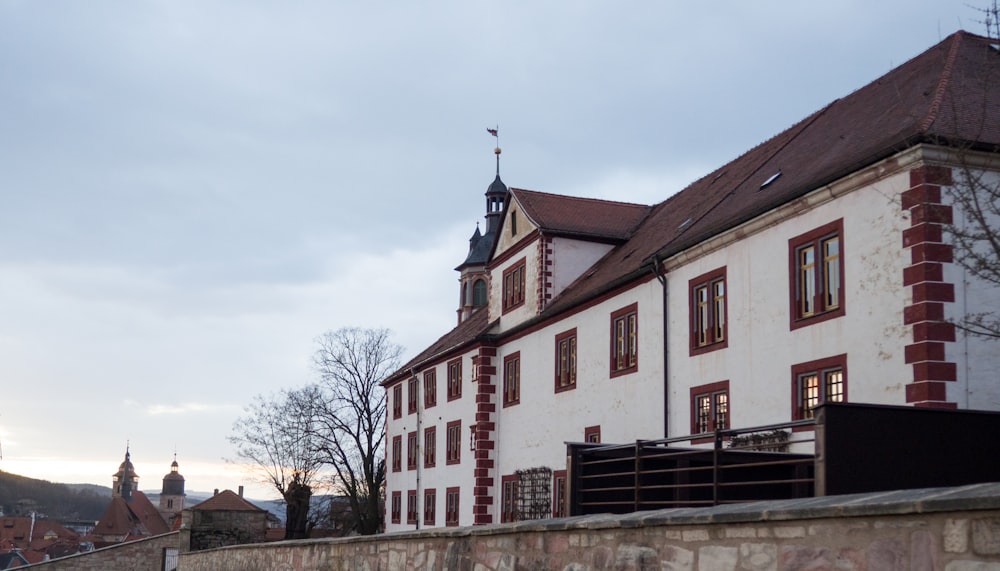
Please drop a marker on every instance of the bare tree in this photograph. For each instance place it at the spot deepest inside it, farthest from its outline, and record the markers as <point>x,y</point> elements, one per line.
<point>351,363</point>
<point>276,438</point>
<point>975,233</point>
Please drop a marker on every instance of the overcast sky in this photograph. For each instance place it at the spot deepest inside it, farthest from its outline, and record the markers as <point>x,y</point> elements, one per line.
<point>192,191</point>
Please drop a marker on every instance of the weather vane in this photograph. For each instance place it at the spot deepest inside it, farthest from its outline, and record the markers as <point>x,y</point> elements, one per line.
<point>496,151</point>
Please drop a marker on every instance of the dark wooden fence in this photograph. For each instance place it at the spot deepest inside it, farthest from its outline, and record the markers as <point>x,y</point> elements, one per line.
<point>859,448</point>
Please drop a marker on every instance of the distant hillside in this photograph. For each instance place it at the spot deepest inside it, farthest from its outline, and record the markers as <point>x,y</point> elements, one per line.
<point>20,495</point>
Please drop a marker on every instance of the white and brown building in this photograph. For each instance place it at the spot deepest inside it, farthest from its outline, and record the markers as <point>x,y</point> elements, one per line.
<point>814,267</point>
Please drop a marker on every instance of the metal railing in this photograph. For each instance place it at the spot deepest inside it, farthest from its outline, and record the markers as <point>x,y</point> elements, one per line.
<point>727,466</point>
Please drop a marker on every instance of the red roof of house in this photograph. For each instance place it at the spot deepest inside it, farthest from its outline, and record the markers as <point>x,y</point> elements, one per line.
<point>580,217</point>
<point>138,516</point>
<point>14,530</point>
<point>226,500</point>
<point>940,96</point>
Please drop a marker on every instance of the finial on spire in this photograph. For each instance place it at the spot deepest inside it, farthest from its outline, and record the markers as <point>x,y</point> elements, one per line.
<point>496,151</point>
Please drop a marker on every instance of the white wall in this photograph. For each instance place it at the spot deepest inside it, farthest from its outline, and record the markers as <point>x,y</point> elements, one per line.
<point>762,347</point>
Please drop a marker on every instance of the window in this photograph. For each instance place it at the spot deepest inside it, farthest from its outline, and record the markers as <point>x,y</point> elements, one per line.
<point>559,493</point>
<point>411,506</point>
<point>397,506</point>
<point>513,285</point>
<point>817,275</point>
<point>430,499</point>
<point>512,379</point>
<point>397,401</point>
<point>430,388</point>
<point>455,379</point>
<point>508,499</point>
<point>708,312</point>
<point>454,442</point>
<point>513,222</point>
<point>592,434</point>
<point>397,453</point>
<point>710,407</point>
<point>566,360</point>
<point>411,396</point>
<point>624,340</point>
<point>430,446</point>
<point>479,293</point>
<point>451,506</point>
<point>411,451</point>
<point>818,382</point>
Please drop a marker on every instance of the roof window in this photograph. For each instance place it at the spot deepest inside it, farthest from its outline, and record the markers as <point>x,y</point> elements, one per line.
<point>770,179</point>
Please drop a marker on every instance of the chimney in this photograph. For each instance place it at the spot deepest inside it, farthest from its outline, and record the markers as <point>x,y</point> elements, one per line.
<point>241,491</point>
<point>216,492</point>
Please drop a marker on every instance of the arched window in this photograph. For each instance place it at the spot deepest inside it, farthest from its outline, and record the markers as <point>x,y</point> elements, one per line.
<point>479,293</point>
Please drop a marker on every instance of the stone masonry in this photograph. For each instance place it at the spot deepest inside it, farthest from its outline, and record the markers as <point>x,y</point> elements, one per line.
<point>946,529</point>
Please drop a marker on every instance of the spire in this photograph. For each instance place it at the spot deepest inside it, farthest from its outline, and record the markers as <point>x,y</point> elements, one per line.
<point>496,194</point>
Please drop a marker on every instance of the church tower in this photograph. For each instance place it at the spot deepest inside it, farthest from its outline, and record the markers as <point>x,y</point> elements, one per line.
<point>125,481</point>
<point>474,279</point>
<point>172,494</point>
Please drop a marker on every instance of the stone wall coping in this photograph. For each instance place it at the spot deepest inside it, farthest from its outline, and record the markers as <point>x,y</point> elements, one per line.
<point>128,544</point>
<point>974,497</point>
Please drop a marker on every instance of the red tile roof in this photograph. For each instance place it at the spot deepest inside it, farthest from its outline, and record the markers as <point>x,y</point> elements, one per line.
<point>138,516</point>
<point>470,329</point>
<point>14,530</point>
<point>580,217</point>
<point>937,97</point>
<point>226,500</point>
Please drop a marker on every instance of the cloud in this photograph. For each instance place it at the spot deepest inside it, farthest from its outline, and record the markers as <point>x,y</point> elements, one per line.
<point>189,408</point>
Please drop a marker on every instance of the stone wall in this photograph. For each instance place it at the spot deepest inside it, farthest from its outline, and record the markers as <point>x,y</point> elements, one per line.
<point>209,529</point>
<point>947,529</point>
<point>141,555</point>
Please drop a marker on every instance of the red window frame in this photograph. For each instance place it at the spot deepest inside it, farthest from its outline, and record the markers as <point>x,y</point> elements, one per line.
<point>711,407</point>
<point>430,446</point>
<point>512,379</point>
<point>827,382</point>
<point>452,506</point>
<point>430,388</point>
<point>411,395</point>
<point>559,504</point>
<point>592,434</point>
<point>454,379</point>
<point>816,275</point>
<point>508,498</point>
<point>625,340</point>
<point>397,401</point>
<point>397,506</point>
<point>513,285</point>
<point>411,506</point>
<point>454,445</point>
<point>430,505</point>
<point>411,450</point>
<point>707,315</point>
<point>397,453</point>
<point>566,352</point>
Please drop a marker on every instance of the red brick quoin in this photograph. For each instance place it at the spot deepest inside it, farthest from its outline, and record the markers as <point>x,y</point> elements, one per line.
<point>925,275</point>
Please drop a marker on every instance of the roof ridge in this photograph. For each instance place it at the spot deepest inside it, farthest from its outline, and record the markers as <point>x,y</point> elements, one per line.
<point>943,83</point>
<point>583,198</point>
